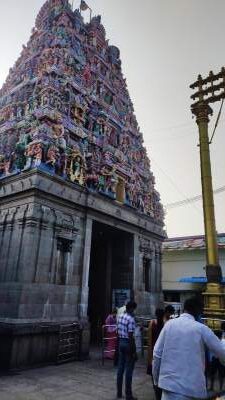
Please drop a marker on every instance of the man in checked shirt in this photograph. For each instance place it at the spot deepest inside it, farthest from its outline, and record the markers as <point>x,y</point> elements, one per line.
<point>127,350</point>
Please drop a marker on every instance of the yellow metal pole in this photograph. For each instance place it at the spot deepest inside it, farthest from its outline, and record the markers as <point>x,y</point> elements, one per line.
<point>203,110</point>
<point>213,296</point>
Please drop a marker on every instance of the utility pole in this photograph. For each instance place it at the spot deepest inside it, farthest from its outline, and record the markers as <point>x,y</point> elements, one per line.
<point>209,90</point>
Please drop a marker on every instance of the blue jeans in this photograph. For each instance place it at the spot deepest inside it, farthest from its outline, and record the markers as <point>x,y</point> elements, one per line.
<point>126,364</point>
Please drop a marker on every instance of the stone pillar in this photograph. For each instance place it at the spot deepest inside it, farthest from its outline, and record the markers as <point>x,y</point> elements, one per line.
<point>5,248</point>
<point>136,264</point>
<point>44,252</point>
<point>158,269</point>
<point>146,253</point>
<point>108,288</point>
<point>151,275</point>
<point>155,269</point>
<point>3,216</point>
<point>158,276</point>
<point>31,224</point>
<point>14,248</point>
<point>11,232</point>
<point>154,272</point>
<point>141,272</point>
<point>53,262</point>
<point>7,244</point>
<point>83,306</point>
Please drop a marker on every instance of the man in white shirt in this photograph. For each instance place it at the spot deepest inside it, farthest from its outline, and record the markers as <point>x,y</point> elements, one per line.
<point>179,355</point>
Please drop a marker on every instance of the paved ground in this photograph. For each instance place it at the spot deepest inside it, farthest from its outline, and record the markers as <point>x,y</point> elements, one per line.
<point>75,381</point>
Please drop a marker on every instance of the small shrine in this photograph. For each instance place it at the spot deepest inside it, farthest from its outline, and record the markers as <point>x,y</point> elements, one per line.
<point>75,178</point>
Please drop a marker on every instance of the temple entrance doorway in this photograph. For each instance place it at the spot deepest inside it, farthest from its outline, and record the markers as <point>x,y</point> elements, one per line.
<point>111,273</point>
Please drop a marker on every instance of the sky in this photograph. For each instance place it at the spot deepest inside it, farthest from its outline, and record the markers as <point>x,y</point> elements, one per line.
<point>164,45</point>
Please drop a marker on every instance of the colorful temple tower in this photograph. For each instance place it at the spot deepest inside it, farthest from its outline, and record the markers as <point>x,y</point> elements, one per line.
<point>81,224</point>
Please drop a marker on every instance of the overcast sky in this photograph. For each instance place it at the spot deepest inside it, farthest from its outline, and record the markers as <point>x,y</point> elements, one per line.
<point>164,45</point>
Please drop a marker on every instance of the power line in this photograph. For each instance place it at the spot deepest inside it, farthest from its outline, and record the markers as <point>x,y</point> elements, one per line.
<point>173,184</point>
<point>174,137</point>
<point>217,121</point>
<point>171,127</point>
<point>191,199</point>
<point>168,177</point>
<point>194,199</point>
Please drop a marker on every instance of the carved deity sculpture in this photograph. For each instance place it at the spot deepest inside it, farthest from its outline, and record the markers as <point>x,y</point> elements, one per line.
<point>20,150</point>
<point>108,181</point>
<point>92,179</point>
<point>87,75</point>
<point>34,154</point>
<point>113,181</point>
<point>60,165</point>
<point>45,100</point>
<point>2,164</point>
<point>76,168</point>
<point>52,156</point>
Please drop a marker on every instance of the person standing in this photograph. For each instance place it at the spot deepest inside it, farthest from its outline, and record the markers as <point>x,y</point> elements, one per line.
<point>169,312</point>
<point>215,367</point>
<point>127,351</point>
<point>154,328</point>
<point>121,310</point>
<point>179,354</point>
<point>110,335</point>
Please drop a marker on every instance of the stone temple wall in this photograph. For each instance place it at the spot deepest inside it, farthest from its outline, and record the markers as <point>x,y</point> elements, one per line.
<point>71,155</point>
<point>45,247</point>
<point>41,221</point>
<point>34,235</point>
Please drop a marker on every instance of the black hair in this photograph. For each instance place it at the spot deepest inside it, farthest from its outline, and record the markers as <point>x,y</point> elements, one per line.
<point>194,305</point>
<point>159,313</point>
<point>170,309</point>
<point>131,305</point>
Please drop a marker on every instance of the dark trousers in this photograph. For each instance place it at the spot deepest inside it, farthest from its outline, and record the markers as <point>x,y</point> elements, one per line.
<point>216,368</point>
<point>158,392</point>
<point>126,364</point>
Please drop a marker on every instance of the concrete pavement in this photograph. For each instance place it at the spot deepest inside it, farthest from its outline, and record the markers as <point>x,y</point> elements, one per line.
<point>84,380</point>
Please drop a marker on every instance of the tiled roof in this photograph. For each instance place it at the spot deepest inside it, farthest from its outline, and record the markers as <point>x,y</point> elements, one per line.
<point>190,243</point>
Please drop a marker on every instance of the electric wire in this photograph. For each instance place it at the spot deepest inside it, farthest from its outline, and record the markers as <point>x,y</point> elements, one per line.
<point>173,184</point>
<point>217,121</point>
<point>199,197</point>
<point>194,199</point>
<point>191,199</point>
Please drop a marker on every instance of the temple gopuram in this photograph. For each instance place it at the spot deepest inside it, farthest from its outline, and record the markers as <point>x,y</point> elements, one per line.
<point>81,223</point>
